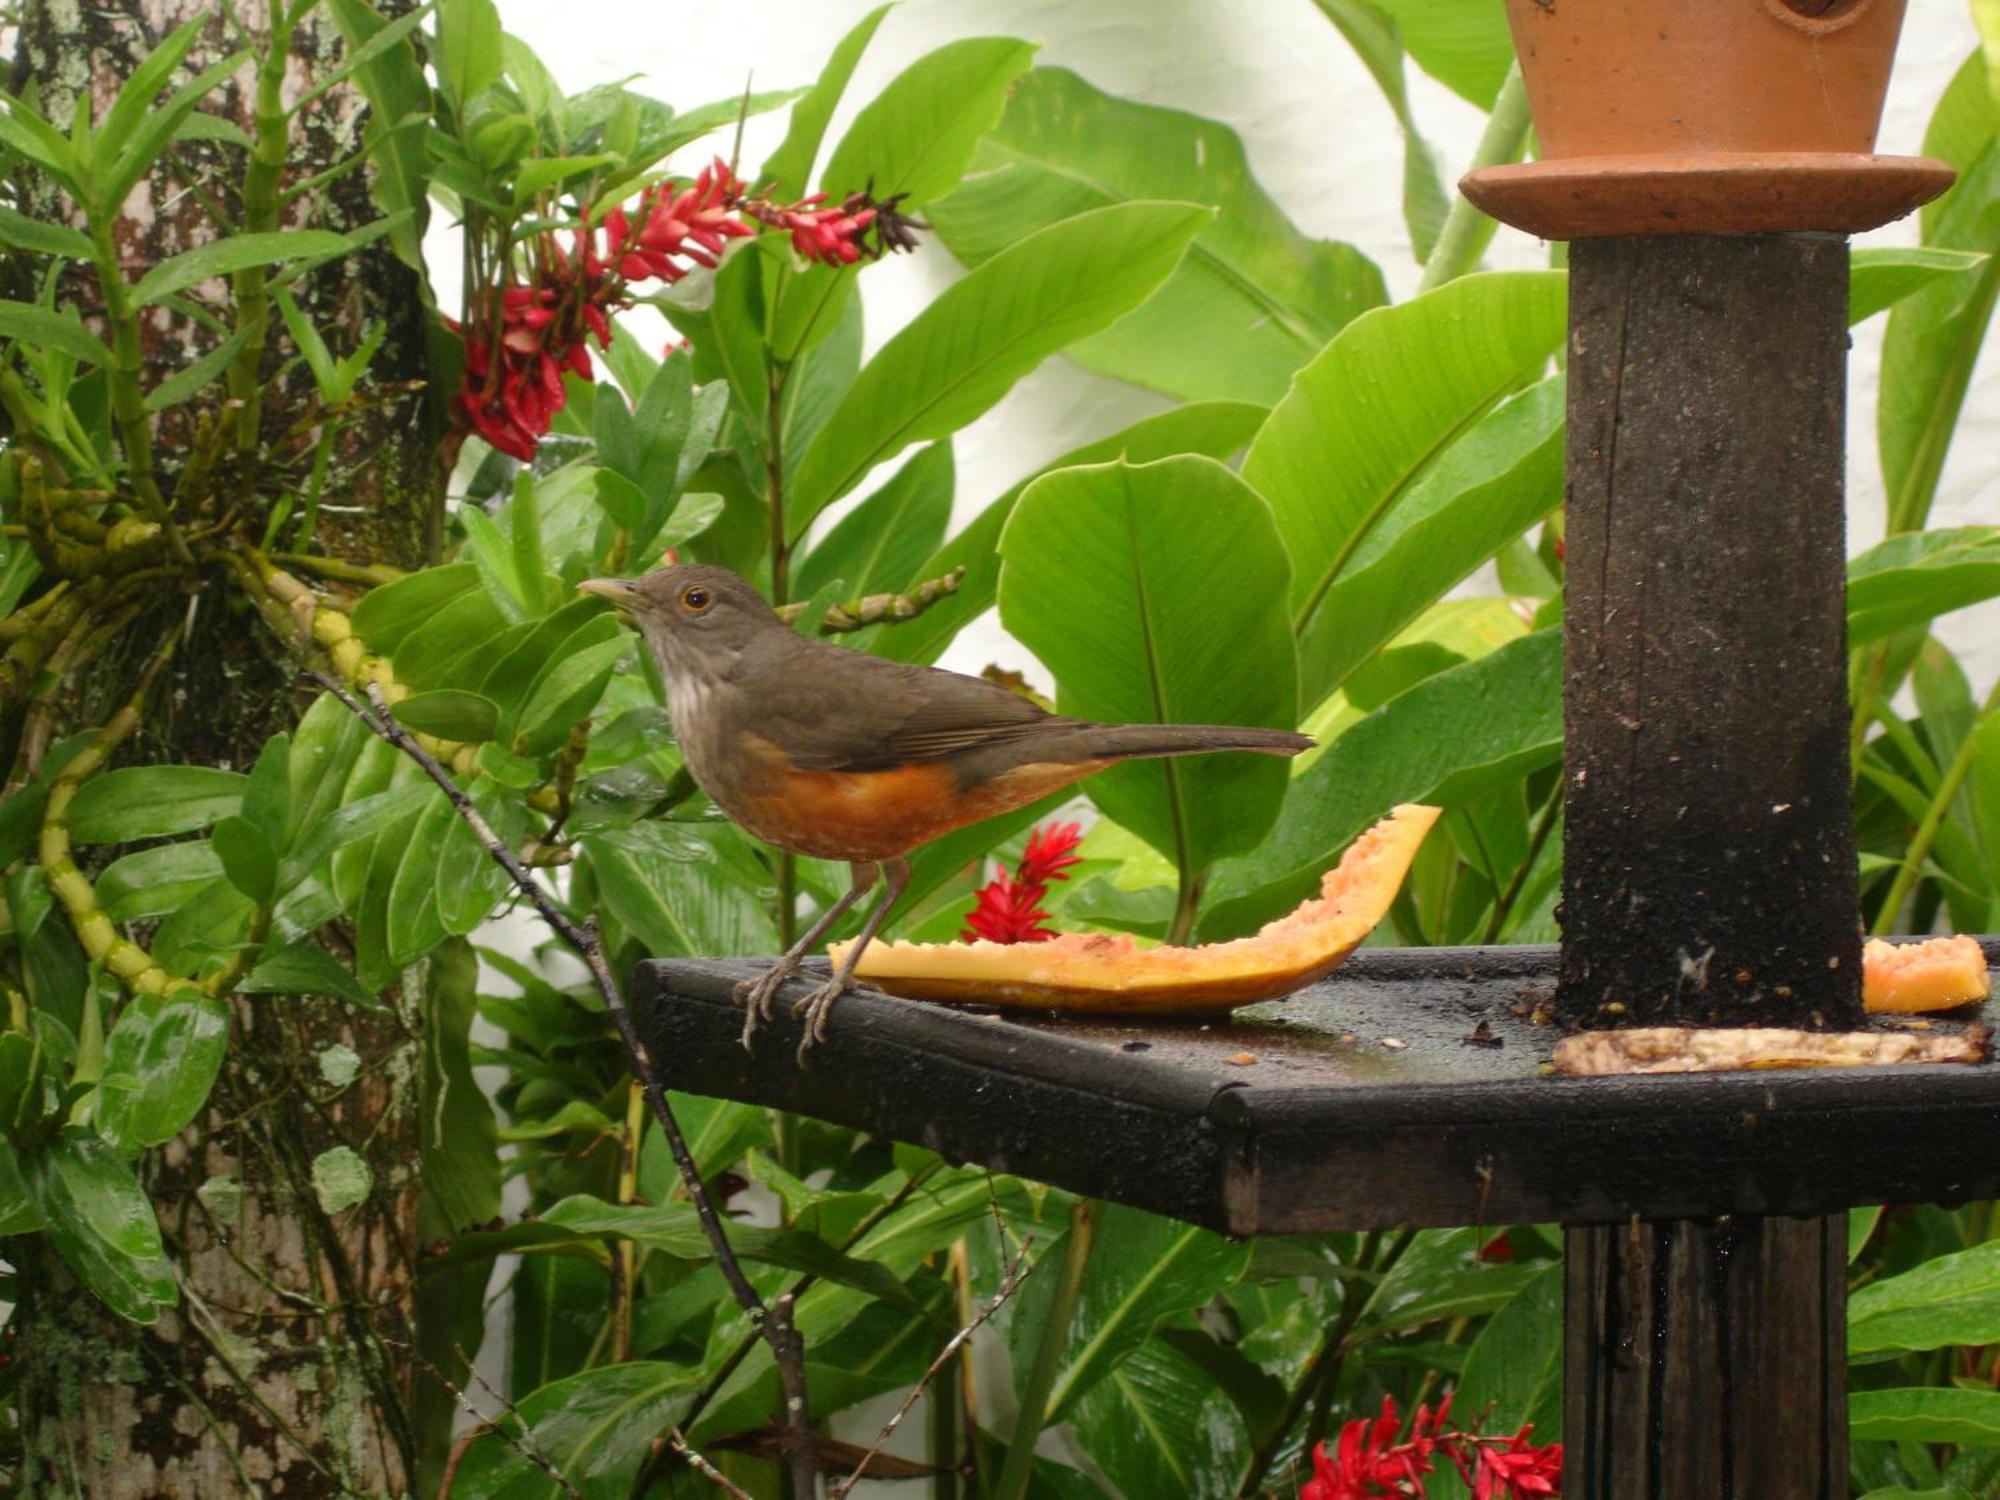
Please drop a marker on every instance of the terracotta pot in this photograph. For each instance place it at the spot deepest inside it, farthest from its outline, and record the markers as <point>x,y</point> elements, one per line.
<point>1705,116</point>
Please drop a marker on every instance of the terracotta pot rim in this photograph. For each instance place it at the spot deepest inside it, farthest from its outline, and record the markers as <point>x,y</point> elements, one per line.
<point>1716,192</point>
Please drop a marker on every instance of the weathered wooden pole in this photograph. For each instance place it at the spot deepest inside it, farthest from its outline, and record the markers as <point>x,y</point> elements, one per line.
<point>1708,166</point>
<point>1709,872</point>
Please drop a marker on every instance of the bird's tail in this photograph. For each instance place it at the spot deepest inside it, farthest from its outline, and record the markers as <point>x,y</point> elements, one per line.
<point>1125,741</point>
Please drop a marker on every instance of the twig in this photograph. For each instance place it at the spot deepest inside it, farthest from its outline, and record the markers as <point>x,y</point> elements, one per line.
<point>773,1323</point>
<point>1010,1282</point>
<point>702,1466</point>
<point>522,1443</point>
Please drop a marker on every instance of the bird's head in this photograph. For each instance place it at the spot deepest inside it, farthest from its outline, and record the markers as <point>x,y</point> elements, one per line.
<point>696,618</point>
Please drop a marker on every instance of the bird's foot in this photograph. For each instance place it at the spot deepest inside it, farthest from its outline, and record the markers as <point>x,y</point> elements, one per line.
<point>756,996</point>
<point>813,1009</point>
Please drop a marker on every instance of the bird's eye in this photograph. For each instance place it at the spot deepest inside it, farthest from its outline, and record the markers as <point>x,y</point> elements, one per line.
<point>695,599</point>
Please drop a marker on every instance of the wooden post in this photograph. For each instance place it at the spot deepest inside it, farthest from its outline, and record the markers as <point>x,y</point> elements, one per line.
<point>1709,870</point>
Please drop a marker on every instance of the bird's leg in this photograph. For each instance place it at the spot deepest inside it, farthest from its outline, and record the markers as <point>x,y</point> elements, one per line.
<point>815,1006</point>
<point>757,994</point>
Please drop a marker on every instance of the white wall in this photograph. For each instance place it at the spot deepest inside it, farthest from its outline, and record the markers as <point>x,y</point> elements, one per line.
<point>1319,138</point>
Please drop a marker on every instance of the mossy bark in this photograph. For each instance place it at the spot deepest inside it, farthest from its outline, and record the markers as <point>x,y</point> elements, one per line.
<point>286,1368</point>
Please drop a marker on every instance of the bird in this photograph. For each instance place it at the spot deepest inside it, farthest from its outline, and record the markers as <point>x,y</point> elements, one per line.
<point>828,751</point>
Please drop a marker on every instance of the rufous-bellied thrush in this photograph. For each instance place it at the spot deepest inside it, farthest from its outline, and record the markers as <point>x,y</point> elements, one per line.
<point>830,752</point>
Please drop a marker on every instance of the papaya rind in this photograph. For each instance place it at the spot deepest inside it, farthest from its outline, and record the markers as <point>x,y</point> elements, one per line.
<point>1111,974</point>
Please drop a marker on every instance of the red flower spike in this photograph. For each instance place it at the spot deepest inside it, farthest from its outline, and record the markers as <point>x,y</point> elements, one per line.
<point>1368,1464</point>
<point>1008,909</point>
<point>1051,850</point>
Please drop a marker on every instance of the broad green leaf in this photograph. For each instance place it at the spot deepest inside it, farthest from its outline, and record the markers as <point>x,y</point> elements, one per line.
<point>525,655</point>
<point>267,796</point>
<point>676,906</point>
<point>304,968</point>
<point>22,1084</point>
<point>160,1062</point>
<point>451,714</point>
<point>1934,337</point>
<point>373,809</point>
<point>153,882</point>
<point>413,926</point>
<point>1919,575</point>
<point>1215,429</point>
<point>878,546</point>
<point>1948,1300</point>
<point>789,168</point>
<point>39,327</point>
<point>1253,299</point>
<point>386,615</point>
<point>568,690</point>
<point>391,37</point>
<point>1445,741</point>
<point>596,1428</point>
<point>1110,578</point>
<point>141,90</point>
<point>964,352</point>
<point>1881,276</point>
<point>1365,419</point>
<point>1440,1277</point>
<point>53,964</point>
<point>468,41</point>
<point>24,233</point>
<point>1157,1425</point>
<point>460,1143</point>
<point>1513,1371</point>
<point>469,879</point>
<point>1464,44</point>
<point>444,650</point>
<point>399,96</point>
<point>540,173</point>
<point>1484,490</point>
<point>247,858</point>
<point>19,1213</point>
<point>146,802</point>
<point>24,131</point>
<point>102,1222</point>
<point>1926,1414</point>
<point>1379,45</point>
<point>1142,1270</point>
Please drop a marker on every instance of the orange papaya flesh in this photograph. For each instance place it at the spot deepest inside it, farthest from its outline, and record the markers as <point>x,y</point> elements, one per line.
<point>1111,974</point>
<point>1941,974</point>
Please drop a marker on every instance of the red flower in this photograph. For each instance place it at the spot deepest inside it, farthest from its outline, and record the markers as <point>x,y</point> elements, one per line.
<point>1008,909</point>
<point>1368,1464</point>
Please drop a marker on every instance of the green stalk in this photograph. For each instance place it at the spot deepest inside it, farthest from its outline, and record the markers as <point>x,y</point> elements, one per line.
<point>1020,1464</point>
<point>1187,905</point>
<point>774,493</point>
<point>261,182</point>
<point>1919,847</point>
<point>128,400</point>
<point>1467,231</point>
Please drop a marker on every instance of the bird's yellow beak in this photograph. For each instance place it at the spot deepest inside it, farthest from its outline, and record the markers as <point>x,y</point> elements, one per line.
<point>620,591</point>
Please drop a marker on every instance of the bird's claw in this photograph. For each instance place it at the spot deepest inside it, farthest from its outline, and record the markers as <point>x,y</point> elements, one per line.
<point>756,997</point>
<point>813,1009</point>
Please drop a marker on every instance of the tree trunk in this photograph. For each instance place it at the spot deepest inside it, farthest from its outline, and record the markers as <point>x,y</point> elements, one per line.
<point>287,1367</point>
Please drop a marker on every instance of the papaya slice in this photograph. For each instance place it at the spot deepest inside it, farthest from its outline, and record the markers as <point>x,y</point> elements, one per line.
<point>1111,974</point>
<point>1941,974</point>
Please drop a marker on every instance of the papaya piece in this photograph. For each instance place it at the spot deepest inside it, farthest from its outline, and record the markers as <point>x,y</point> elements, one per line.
<point>1941,974</point>
<point>1112,974</point>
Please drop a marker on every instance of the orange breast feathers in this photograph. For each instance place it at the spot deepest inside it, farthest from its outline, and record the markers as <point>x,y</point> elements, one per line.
<point>875,815</point>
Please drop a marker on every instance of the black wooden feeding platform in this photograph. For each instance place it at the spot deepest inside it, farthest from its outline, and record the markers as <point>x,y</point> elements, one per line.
<point>1405,1090</point>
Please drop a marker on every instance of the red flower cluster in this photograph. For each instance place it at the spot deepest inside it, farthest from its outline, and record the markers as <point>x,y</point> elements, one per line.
<point>1368,1464</point>
<point>531,334</point>
<point>1008,909</point>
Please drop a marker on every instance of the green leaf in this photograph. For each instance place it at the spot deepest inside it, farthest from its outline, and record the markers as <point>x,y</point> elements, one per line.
<point>878,546</point>
<point>595,1427</point>
<point>53,963</point>
<point>469,879</point>
<point>247,858</point>
<point>1487,488</point>
<point>390,37</point>
<point>1379,45</point>
<point>468,36</point>
<point>1881,276</point>
<point>1364,420</point>
<point>460,1142</point>
<point>386,616</point>
<point>789,168</point>
<point>1948,1300</point>
<point>267,797</point>
<point>102,1222</point>
<point>141,147</point>
<point>450,714</point>
<point>540,173</point>
<point>26,132</point>
<point>39,328</point>
<point>160,1062</point>
<point>445,650</point>
<point>191,379</point>
<point>1253,300</point>
<point>1513,1371</point>
<point>1156,1425</point>
<point>1464,44</point>
<point>399,96</point>
<point>1917,576</point>
<point>153,882</point>
<point>411,926</point>
<point>147,802</point>
<point>676,905</point>
<point>1142,1270</point>
<point>1925,1414</point>
<point>141,90</point>
<point>570,688</point>
<point>24,233</point>
<point>963,352</point>
<point>237,253</point>
<point>1109,578</point>
<point>19,1213</point>
<point>304,968</point>
<point>1444,741</point>
<point>1217,429</point>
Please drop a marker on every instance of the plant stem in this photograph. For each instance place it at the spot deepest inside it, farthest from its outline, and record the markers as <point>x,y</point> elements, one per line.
<point>774,496</point>
<point>261,181</point>
<point>626,1251</point>
<point>1504,906</point>
<point>1467,231</point>
<point>1020,1465</point>
<point>128,401</point>
<point>1919,847</point>
<point>1187,905</point>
